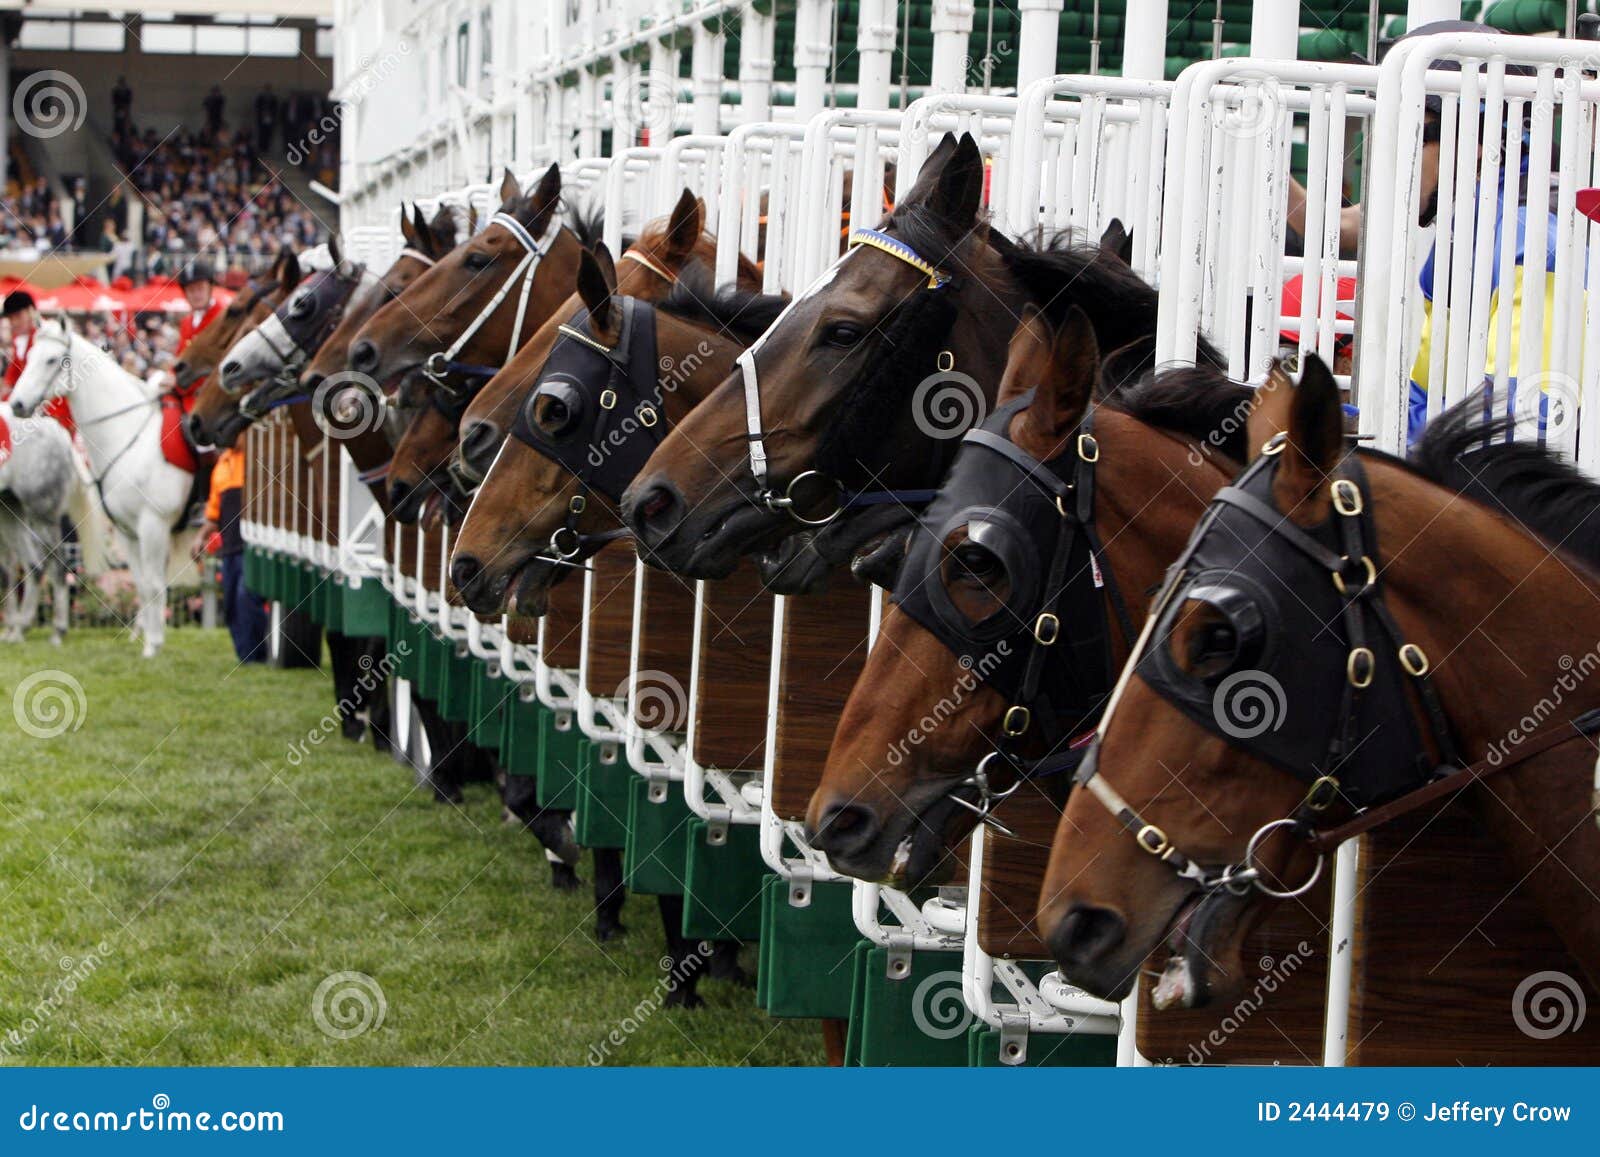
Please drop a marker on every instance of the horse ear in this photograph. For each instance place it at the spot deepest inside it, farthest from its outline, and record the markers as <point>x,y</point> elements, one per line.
<point>958,191</point>
<point>289,271</point>
<point>1117,242</point>
<point>608,267</point>
<point>510,191</point>
<point>408,225</point>
<point>1027,355</point>
<point>441,230</point>
<point>542,203</point>
<point>1311,419</point>
<point>1072,373</point>
<point>334,251</point>
<point>684,227</point>
<point>593,288</point>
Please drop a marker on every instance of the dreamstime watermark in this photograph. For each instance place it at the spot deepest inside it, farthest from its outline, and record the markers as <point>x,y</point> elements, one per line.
<point>160,1117</point>
<point>48,103</point>
<point>368,76</point>
<point>75,972</point>
<point>948,403</point>
<point>1274,975</point>
<point>1548,1004</point>
<point>348,1004</point>
<point>673,974</point>
<point>49,703</point>
<point>672,373</point>
<point>1573,674</point>
<point>649,100</point>
<point>938,1007</point>
<point>347,405</point>
<point>374,672</point>
<point>1219,436</point>
<point>1249,703</point>
<point>656,701</point>
<point>1253,105</point>
<point>1546,403</point>
<point>972,674</point>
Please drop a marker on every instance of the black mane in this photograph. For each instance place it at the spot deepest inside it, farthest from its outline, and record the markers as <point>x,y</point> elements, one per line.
<point>589,224</point>
<point>1465,451</point>
<point>743,314</point>
<point>1200,403</point>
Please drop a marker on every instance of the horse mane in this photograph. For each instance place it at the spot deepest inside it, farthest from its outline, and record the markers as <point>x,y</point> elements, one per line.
<point>1199,402</point>
<point>1541,492</point>
<point>744,314</point>
<point>589,224</point>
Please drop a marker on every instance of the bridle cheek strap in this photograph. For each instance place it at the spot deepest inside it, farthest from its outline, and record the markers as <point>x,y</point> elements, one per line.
<point>521,277</point>
<point>746,362</point>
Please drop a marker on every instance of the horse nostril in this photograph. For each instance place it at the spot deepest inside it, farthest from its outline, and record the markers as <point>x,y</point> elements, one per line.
<point>1086,935</point>
<point>364,356</point>
<point>655,512</point>
<point>193,423</point>
<point>478,441</point>
<point>465,571</point>
<point>399,491</point>
<point>847,829</point>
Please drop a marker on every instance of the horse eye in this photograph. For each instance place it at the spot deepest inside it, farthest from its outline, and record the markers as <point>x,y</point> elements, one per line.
<point>301,306</point>
<point>556,408</point>
<point>842,335</point>
<point>477,261</point>
<point>1212,649</point>
<point>975,563</point>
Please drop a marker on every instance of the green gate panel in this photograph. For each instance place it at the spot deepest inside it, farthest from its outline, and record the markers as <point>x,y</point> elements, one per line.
<point>519,734</point>
<point>455,683</point>
<point>807,954</point>
<point>723,882</point>
<point>601,820</point>
<point>919,1020</point>
<point>560,755</point>
<point>365,609</point>
<point>491,698</point>
<point>430,661</point>
<point>1045,1050</point>
<point>653,860</point>
<point>403,645</point>
<point>252,569</point>
<point>330,593</point>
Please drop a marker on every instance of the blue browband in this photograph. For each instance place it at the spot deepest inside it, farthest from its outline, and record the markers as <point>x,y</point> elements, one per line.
<point>937,278</point>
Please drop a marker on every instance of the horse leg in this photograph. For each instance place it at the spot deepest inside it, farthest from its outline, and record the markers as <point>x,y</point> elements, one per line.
<point>342,657</point>
<point>13,631</point>
<point>609,894</point>
<point>552,827</point>
<point>61,599</point>
<point>32,582</point>
<point>689,958</point>
<point>153,547</point>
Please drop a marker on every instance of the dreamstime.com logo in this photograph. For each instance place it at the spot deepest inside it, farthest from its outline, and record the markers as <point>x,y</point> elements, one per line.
<point>348,1004</point>
<point>347,405</point>
<point>1249,703</point>
<point>1548,1004</point>
<point>656,700</point>
<point>948,403</point>
<point>49,103</point>
<point>49,703</point>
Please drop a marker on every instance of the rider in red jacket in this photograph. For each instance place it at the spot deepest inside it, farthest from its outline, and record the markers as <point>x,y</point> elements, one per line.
<point>198,283</point>
<point>22,318</point>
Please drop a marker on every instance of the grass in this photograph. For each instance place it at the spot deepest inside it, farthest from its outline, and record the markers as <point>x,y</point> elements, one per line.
<point>174,889</point>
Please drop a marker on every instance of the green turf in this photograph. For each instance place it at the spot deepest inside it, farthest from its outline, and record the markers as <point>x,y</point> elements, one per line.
<point>174,887</point>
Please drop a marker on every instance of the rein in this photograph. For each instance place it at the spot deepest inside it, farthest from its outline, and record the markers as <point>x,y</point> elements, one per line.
<point>443,362</point>
<point>788,502</point>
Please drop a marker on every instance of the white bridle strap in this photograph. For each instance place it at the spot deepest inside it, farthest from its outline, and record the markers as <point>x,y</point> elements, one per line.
<point>652,266</point>
<point>417,255</point>
<point>522,274</point>
<point>752,411</point>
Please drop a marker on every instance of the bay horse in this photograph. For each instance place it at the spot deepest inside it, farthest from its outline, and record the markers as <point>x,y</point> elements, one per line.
<point>118,418</point>
<point>249,306</point>
<point>543,509</point>
<point>465,316</point>
<point>435,467</point>
<point>853,403</point>
<point>1346,637</point>
<point>909,773</point>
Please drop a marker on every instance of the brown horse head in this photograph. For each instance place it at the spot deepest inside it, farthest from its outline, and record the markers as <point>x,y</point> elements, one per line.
<point>471,305</point>
<point>838,381</point>
<point>425,243</point>
<point>889,804</point>
<point>648,270</point>
<point>549,500</point>
<point>214,420</point>
<point>1258,714</point>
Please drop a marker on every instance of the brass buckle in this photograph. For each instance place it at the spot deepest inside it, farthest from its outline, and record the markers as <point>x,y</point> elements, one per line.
<point>608,399</point>
<point>1364,655</point>
<point>1275,444</point>
<point>577,504</point>
<point>1088,448</point>
<point>1414,660</point>
<point>947,361</point>
<point>1153,840</point>
<point>1016,720</point>
<point>1372,575</point>
<point>1046,619</point>
<point>1323,791</point>
<point>647,415</point>
<point>1347,497</point>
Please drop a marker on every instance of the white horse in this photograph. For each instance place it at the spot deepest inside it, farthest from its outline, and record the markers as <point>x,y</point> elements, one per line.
<point>119,419</point>
<point>39,484</point>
